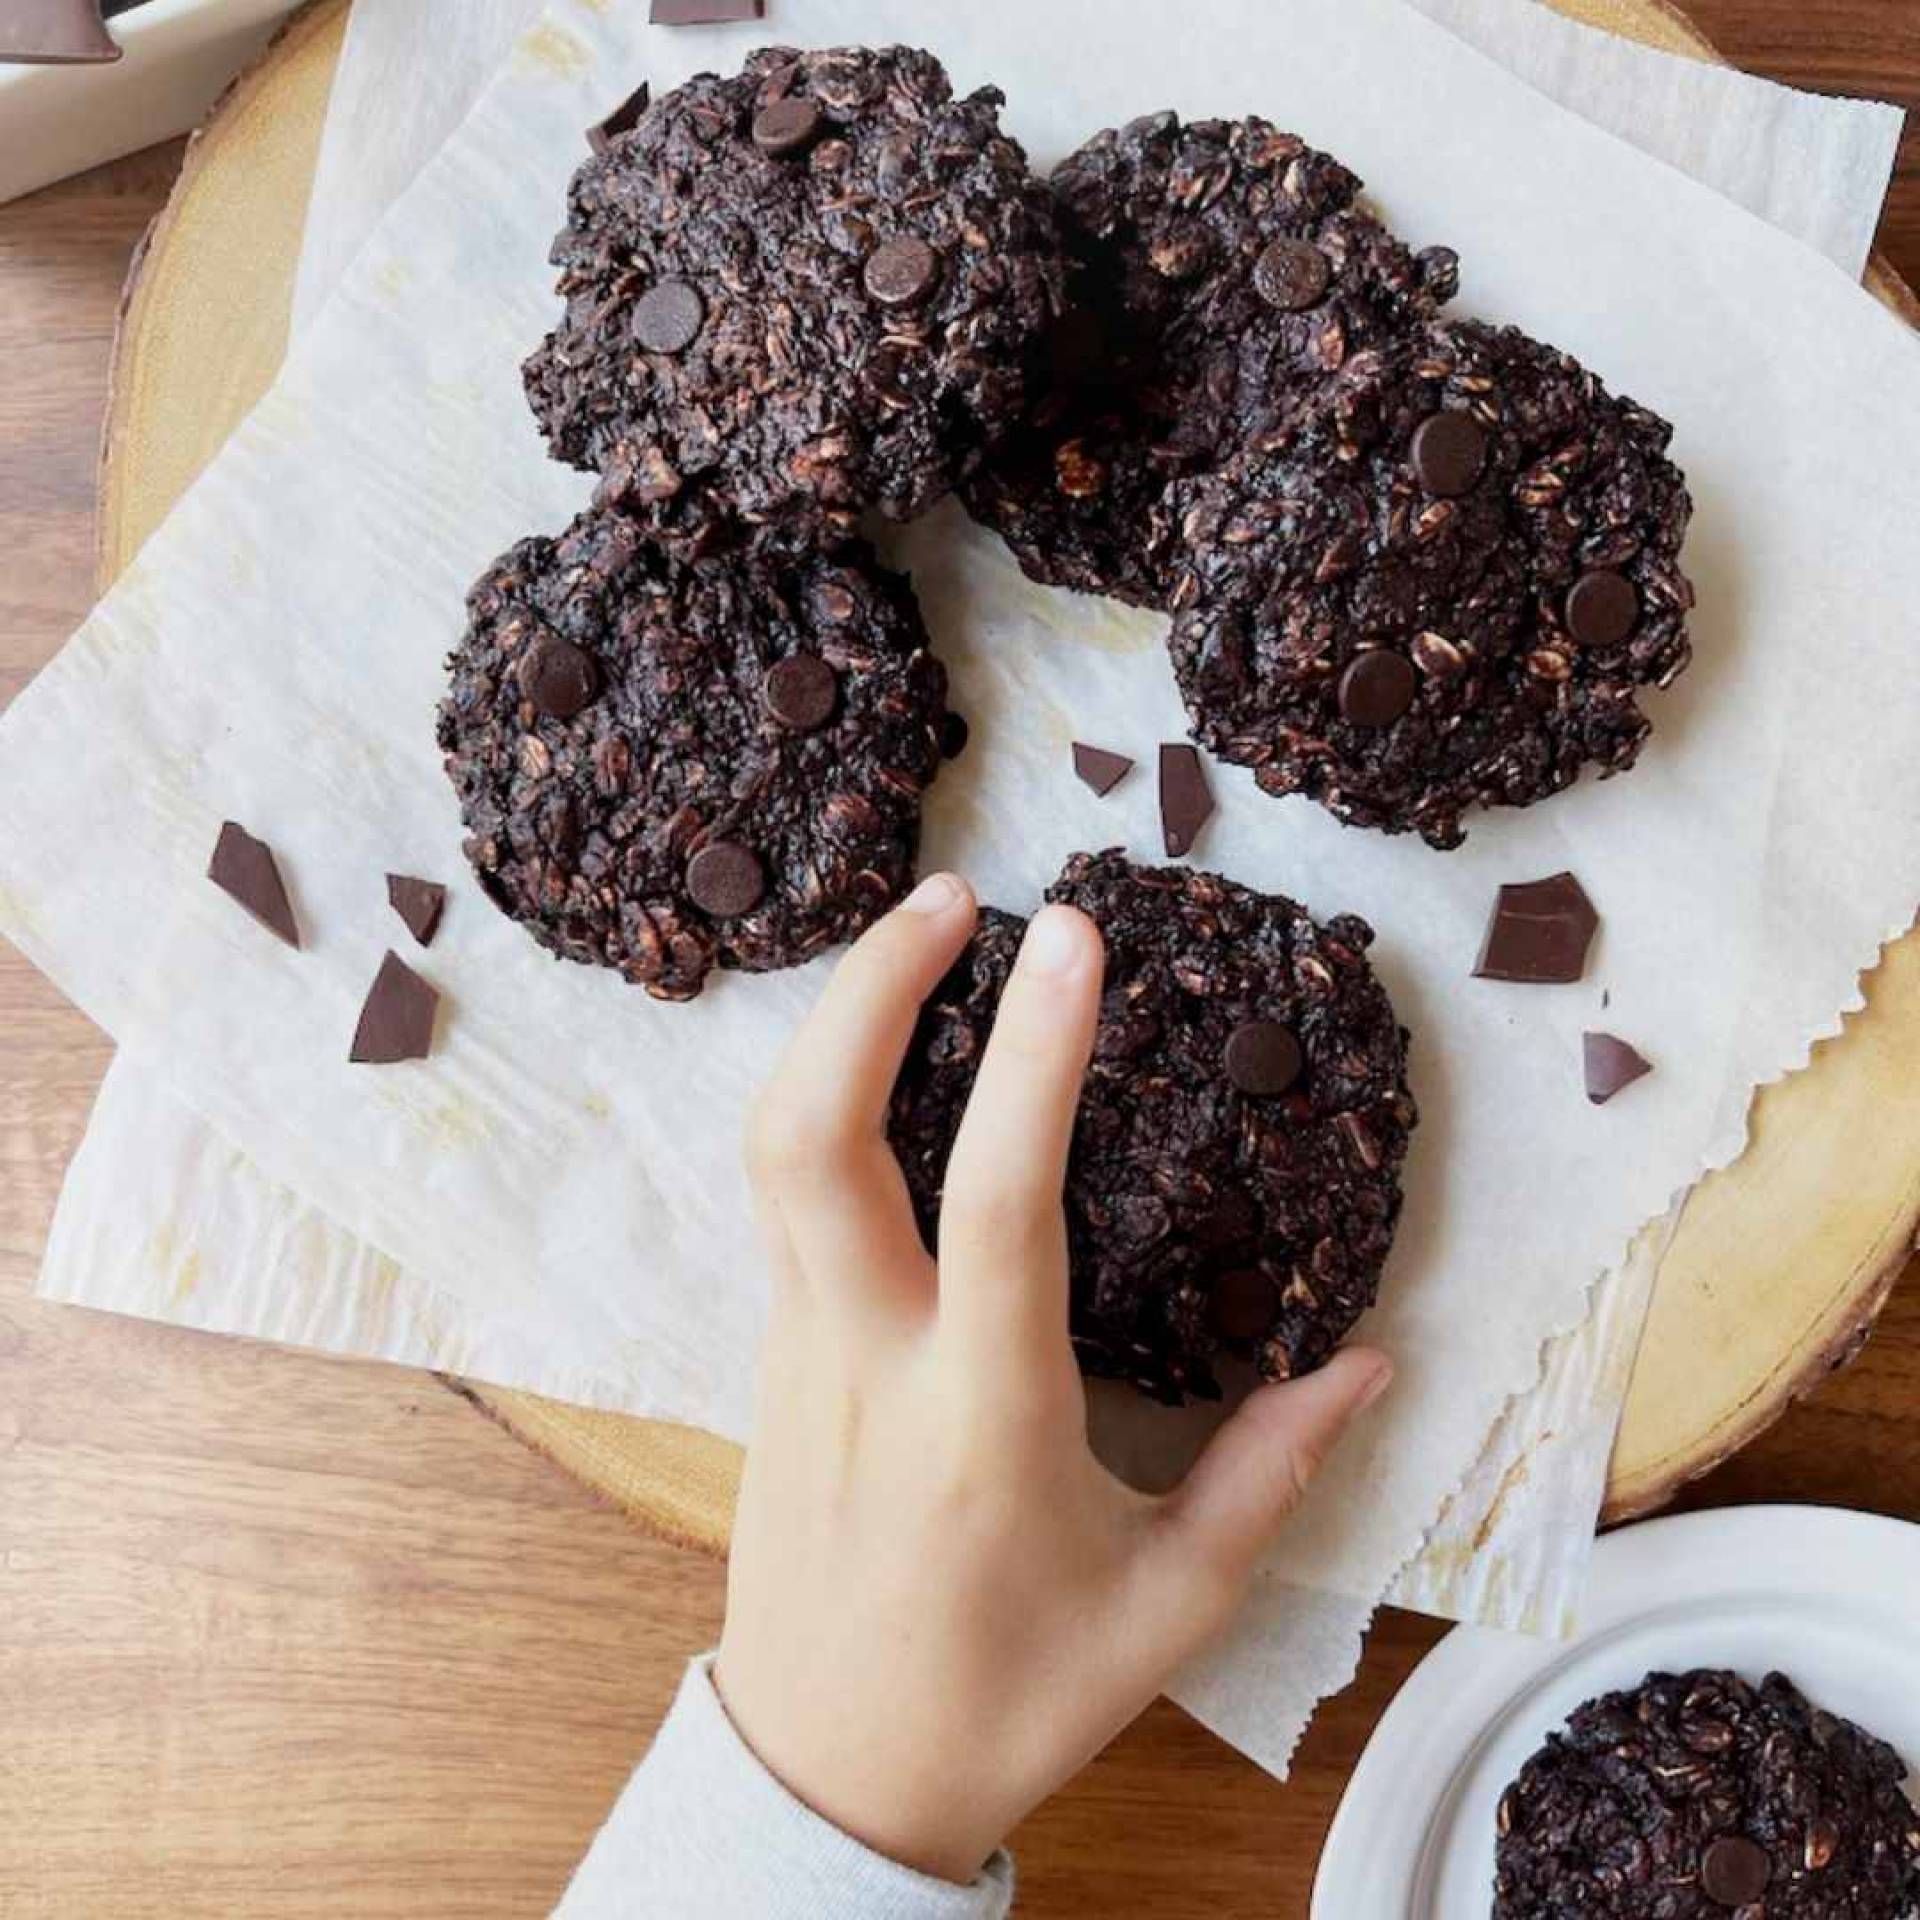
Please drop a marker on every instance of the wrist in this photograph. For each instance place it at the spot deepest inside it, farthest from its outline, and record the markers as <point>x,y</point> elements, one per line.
<point>911,1815</point>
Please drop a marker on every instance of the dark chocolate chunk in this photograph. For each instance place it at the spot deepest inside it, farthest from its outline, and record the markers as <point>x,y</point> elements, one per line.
<point>668,317</point>
<point>1449,451</point>
<point>704,13</point>
<point>726,880</point>
<point>558,678</point>
<point>1243,1304</point>
<point>1694,1796</point>
<point>1734,1871</point>
<point>802,691</point>
<point>1611,1064</point>
<point>1100,767</point>
<point>1377,687</point>
<point>1263,1057</point>
<point>54,33</point>
<point>1292,275</point>
<point>623,119</point>
<point>245,869</point>
<point>1603,608</point>
<point>420,903</point>
<point>954,735</point>
<point>1175,1182</point>
<point>396,1023</point>
<point>1539,933</point>
<point>1227,1221</point>
<point>901,272</point>
<point>1186,801</point>
<point>786,127</point>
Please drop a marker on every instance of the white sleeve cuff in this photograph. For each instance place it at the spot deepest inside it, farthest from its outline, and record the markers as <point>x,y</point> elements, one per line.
<point>704,1832</point>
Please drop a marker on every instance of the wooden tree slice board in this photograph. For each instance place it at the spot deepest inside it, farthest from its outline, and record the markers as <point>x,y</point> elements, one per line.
<point>1779,1264</point>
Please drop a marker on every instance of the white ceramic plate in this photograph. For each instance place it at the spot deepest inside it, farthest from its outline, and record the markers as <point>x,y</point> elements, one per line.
<point>1830,1598</point>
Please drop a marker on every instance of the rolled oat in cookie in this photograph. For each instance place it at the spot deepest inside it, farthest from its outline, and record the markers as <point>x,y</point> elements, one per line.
<point>1441,582</point>
<point>1697,1796</point>
<point>1235,1175</point>
<point>1216,266</point>
<point>666,766</point>
<point>811,288</point>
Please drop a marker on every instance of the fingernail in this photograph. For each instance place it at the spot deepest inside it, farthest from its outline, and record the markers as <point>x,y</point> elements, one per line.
<point>1053,945</point>
<point>935,894</point>
<point>1382,1379</point>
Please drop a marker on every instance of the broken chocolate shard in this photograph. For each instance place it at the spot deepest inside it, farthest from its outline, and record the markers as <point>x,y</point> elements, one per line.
<point>396,1023</point>
<point>244,868</point>
<point>420,903</point>
<point>54,33</point>
<point>1099,768</point>
<point>1611,1064</point>
<point>704,13</point>
<point>623,119</point>
<point>1539,933</point>
<point>1186,801</point>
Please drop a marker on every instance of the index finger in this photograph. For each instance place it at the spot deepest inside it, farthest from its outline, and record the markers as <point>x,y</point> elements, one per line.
<point>818,1147</point>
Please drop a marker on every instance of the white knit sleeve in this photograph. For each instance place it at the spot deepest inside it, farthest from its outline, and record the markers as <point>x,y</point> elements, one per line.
<point>704,1832</point>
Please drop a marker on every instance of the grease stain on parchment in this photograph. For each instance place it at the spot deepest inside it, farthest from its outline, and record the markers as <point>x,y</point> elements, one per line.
<point>450,1123</point>
<point>430,1327</point>
<point>16,917</point>
<point>1106,628</point>
<point>186,1281</point>
<point>1515,1477</point>
<point>392,278</point>
<point>552,50</point>
<point>376,1291</point>
<point>180,1272</point>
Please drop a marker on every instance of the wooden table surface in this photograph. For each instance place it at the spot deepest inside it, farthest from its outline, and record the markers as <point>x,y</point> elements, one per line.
<point>286,1636</point>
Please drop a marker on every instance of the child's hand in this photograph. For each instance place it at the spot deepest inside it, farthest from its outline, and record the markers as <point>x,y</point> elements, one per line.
<point>941,1606</point>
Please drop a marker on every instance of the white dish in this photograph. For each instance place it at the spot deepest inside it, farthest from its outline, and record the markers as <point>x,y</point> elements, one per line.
<point>1828,1597</point>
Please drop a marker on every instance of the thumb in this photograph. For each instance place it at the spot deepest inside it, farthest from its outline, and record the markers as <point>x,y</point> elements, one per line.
<point>1254,1472</point>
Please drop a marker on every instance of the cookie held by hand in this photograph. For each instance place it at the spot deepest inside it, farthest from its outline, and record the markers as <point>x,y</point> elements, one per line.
<point>1235,1177</point>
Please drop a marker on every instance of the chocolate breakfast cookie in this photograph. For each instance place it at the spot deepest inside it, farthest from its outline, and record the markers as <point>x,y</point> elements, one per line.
<point>667,766</point>
<point>1235,1176</point>
<point>1441,582</point>
<point>812,288</point>
<point>1695,1796</point>
<point>1216,266</point>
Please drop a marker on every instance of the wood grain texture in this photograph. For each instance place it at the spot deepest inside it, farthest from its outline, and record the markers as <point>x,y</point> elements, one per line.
<point>288,1637</point>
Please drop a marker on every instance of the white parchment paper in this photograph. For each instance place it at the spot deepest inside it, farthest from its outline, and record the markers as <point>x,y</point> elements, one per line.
<point>468,1111</point>
<point>1780,153</point>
